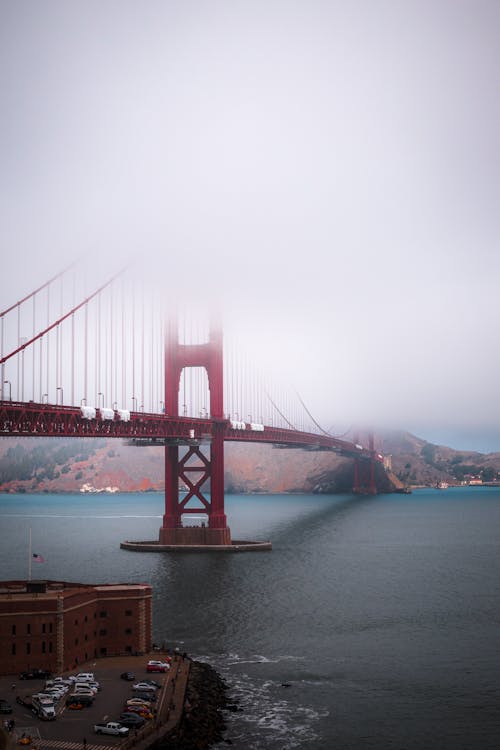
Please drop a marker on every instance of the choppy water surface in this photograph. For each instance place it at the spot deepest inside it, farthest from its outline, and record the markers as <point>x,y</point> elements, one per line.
<point>374,622</point>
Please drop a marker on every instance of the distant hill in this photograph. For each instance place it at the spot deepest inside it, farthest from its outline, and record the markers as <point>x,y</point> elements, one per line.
<point>67,464</point>
<point>418,462</point>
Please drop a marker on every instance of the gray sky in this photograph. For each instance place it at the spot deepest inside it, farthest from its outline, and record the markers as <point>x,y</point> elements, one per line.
<point>329,170</point>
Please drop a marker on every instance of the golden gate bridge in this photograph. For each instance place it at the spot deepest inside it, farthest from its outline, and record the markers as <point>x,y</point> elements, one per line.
<point>114,364</point>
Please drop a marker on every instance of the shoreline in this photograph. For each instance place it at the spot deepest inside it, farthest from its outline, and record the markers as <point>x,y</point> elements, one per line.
<point>189,711</point>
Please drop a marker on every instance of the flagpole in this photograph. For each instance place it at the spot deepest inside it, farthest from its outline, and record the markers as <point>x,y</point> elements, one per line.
<point>29,561</point>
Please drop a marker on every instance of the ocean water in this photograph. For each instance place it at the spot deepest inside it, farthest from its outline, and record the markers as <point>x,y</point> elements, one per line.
<point>373,624</point>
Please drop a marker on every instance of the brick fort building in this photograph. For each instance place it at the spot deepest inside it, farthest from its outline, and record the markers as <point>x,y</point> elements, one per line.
<point>56,625</point>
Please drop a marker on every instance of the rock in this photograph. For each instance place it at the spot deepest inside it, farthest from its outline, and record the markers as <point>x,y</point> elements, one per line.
<point>202,722</point>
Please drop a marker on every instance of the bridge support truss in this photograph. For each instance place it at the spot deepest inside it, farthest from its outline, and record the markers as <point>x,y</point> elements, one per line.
<point>194,469</point>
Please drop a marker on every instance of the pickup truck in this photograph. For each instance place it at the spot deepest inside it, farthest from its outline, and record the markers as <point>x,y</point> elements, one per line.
<point>111,727</point>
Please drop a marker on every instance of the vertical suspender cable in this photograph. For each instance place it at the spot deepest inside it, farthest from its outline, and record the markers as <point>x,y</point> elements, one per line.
<point>73,347</point>
<point>133,324</point>
<point>60,332</point>
<point>48,344</point>
<point>142,347</point>
<point>98,351</point>
<point>124,374</point>
<point>40,373</point>
<point>18,343</point>
<point>111,350</point>
<point>85,353</point>
<point>1,355</point>
<point>33,353</point>
<point>152,400</point>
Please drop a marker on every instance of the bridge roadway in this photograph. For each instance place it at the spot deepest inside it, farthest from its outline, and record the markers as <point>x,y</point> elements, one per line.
<point>46,420</point>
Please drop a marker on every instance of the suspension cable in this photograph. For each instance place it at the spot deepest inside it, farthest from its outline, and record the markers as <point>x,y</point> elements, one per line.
<point>60,320</point>
<point>40,288</point>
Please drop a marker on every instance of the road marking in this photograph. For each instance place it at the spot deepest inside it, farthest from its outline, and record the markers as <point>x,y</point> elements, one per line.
<point>62,745</point>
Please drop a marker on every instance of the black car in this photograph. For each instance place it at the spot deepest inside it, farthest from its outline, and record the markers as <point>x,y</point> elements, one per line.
<point>149,697</point>
<point>130,676</point>
<point>5,707</point>
<point>36,674</point>
<point>131,720</point>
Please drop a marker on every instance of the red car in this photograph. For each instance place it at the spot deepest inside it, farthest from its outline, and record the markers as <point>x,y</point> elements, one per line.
<point>157,666</point>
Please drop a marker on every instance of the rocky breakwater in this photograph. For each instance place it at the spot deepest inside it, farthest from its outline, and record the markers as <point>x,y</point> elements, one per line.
<point>201,724</point>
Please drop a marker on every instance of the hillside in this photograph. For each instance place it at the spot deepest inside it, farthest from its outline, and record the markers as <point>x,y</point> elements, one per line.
<point>66,465</point>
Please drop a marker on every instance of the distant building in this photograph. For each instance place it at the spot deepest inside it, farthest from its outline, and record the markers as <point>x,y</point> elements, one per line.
<point>57,625</point>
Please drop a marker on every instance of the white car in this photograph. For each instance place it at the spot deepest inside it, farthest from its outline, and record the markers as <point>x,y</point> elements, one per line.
<point>144,686</point>
<point>84,691</point>
<point>58,694</point>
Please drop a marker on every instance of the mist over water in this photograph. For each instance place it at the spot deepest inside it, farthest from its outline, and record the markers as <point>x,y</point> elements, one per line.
<point>380,614</point>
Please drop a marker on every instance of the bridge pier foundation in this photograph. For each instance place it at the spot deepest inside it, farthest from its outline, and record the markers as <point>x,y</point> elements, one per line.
<point>195,535</point>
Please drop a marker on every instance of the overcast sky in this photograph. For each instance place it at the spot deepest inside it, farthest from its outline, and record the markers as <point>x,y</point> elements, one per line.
<point>329,170</point>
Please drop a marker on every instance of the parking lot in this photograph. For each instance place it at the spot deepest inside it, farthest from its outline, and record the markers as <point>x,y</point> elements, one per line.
<point>75,728</point>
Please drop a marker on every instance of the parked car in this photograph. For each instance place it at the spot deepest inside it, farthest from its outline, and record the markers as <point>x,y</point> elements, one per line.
<point>85,677</point>
<point>139,710</point>
<point>84,687</point>
<point>138,702</point>
<point>150,697</point>
<point>144,686</point>
<point>36,674</point>
<point>26,701</point>
<point>85,700</point>
<point>63,681</point>
<point>111,727</point>
<point>5,707</point>
<point>129,719</point>
<point>130,676</point>
<point>55,693</point>
<point>157,666</point>
<point>152,682</point>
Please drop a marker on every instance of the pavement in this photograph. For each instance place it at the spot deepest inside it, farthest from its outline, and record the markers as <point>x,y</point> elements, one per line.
<point>74,730</point>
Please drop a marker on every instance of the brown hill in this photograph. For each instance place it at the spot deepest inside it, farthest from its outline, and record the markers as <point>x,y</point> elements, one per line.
<point>65,465</point>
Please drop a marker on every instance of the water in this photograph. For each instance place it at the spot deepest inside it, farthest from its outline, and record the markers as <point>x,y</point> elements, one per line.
<point>382,614</point>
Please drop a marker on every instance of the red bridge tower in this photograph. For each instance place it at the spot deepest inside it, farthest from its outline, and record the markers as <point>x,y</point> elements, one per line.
<point>210,356</point>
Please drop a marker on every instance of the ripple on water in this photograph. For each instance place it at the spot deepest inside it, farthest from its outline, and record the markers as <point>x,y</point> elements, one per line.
<point>266,718</point>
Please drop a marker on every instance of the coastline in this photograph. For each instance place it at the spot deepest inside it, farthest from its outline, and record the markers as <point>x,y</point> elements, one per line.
<point>189,712</point>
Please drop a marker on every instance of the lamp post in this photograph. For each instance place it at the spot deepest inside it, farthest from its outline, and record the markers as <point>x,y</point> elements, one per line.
<point>45,396</point>
<point>59,388</point>
<point>134,403</point>
<point>100,394</point>
<point>7,382</point>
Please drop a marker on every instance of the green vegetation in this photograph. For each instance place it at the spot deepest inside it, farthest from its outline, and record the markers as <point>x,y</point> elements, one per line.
<point>428,453</point>
<point>46,460</point>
